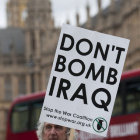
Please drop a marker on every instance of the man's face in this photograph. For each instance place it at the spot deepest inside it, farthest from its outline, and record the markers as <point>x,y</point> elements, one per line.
<point>54,132</point>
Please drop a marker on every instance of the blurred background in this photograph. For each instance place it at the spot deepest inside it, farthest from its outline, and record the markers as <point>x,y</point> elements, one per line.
<point>29,31</point>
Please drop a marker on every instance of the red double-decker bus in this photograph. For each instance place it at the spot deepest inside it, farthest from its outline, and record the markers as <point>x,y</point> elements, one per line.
<point>124,124</point>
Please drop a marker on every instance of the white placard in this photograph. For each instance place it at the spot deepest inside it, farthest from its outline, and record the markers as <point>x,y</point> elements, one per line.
<point>84,80</point>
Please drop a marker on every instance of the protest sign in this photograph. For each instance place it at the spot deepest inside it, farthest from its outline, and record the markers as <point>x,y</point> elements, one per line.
<point>84,80</point>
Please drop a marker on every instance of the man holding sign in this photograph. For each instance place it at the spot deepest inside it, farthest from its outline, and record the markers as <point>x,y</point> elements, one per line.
<point>84,80</point>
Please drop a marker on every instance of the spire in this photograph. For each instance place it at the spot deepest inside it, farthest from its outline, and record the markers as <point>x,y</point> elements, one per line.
<point>67,21</point>
<point>88,10</point>
<point>77,19</point>
<point>99,6</point>
<point>100,19</point>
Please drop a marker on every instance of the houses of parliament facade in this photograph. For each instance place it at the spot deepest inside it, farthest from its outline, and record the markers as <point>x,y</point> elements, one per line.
<point>28,44</point>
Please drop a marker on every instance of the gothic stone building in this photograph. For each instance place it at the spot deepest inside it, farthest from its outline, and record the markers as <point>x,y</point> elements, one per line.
<point>28,45</point>
<point>27,48</point>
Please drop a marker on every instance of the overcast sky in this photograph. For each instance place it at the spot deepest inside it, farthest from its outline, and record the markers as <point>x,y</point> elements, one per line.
<point>63,10</point>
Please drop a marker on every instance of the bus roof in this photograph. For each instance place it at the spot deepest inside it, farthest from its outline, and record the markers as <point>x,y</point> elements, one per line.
<point>29,97</point>
<point>130,74</point>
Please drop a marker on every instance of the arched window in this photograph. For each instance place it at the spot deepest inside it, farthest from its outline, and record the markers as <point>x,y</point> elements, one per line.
<point>42,40</point>
<point>32,42</point>
<point>8,88</point>
<point>22,85</point>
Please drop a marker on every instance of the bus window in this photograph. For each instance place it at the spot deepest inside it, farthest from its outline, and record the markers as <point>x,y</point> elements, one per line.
<point>35,113</point>
<point>25,116</point>
<point>118,106</point>
<point>133,96</point>
<point>19,119</point>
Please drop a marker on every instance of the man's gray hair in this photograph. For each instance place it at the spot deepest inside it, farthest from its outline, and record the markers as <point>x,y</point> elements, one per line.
<point>39,131</point>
